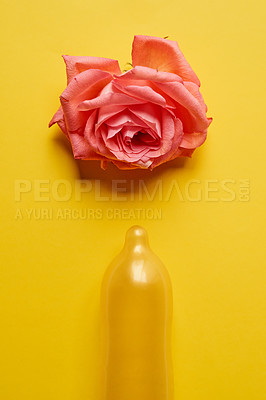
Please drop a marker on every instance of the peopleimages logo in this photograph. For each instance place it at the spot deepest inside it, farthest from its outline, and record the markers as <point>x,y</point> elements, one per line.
<point>117,199</point>
<point>122,190</point>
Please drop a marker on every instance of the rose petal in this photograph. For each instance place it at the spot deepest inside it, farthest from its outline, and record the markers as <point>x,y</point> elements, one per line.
<point>107,112</point>
<point>148,77</point>
<point>162,54</point>
<point>174,150</point>
<point>125,118</point>
<point>181,95</point>
<point>100,135</point>
<point>143,149</point>
<point>150,114</point>
<point>95,138</point>
<point>194,90</point>
<point>127,156</point>
<point>76,65</point>
<point>172,132</point>
<point>123,151</point>
<point>145,93</point>
<point>83,86</point>
<point>193,140</point>
<point>148,74</point>
<point>82,150</point>
<point>59,119</point>
<point>128,133</point>
<point>89,131</point>
<point>106,99</point>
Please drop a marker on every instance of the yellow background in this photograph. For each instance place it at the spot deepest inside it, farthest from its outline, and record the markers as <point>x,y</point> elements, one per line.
<point>211,242</point>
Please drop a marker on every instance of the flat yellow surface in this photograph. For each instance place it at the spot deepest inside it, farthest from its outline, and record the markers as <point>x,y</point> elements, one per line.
<point>205,216</point>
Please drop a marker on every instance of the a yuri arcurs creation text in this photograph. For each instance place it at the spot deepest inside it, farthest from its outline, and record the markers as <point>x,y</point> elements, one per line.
<point>141,118</point>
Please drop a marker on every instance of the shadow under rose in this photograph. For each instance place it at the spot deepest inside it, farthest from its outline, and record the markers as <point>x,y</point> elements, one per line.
<point>93,170</point>
<point>60,139</point>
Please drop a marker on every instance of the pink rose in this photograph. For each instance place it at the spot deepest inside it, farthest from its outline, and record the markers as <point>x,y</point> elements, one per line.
<point>142,118</point>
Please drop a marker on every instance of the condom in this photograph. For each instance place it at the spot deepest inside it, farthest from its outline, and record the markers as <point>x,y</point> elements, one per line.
<point>136,312</point>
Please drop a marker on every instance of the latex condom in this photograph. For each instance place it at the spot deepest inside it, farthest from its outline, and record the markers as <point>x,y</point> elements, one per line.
<point>136,311</point>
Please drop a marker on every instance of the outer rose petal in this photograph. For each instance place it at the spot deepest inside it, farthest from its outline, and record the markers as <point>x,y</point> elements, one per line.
<point>193,140</point>
<point>181,95</point>
<point>194,90</point>
<point>59,119</point>
<point>86,85</point>
<point>162,54</point>
<point>82,150</point>
<point>75,65</point>
<point>148,74</point>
